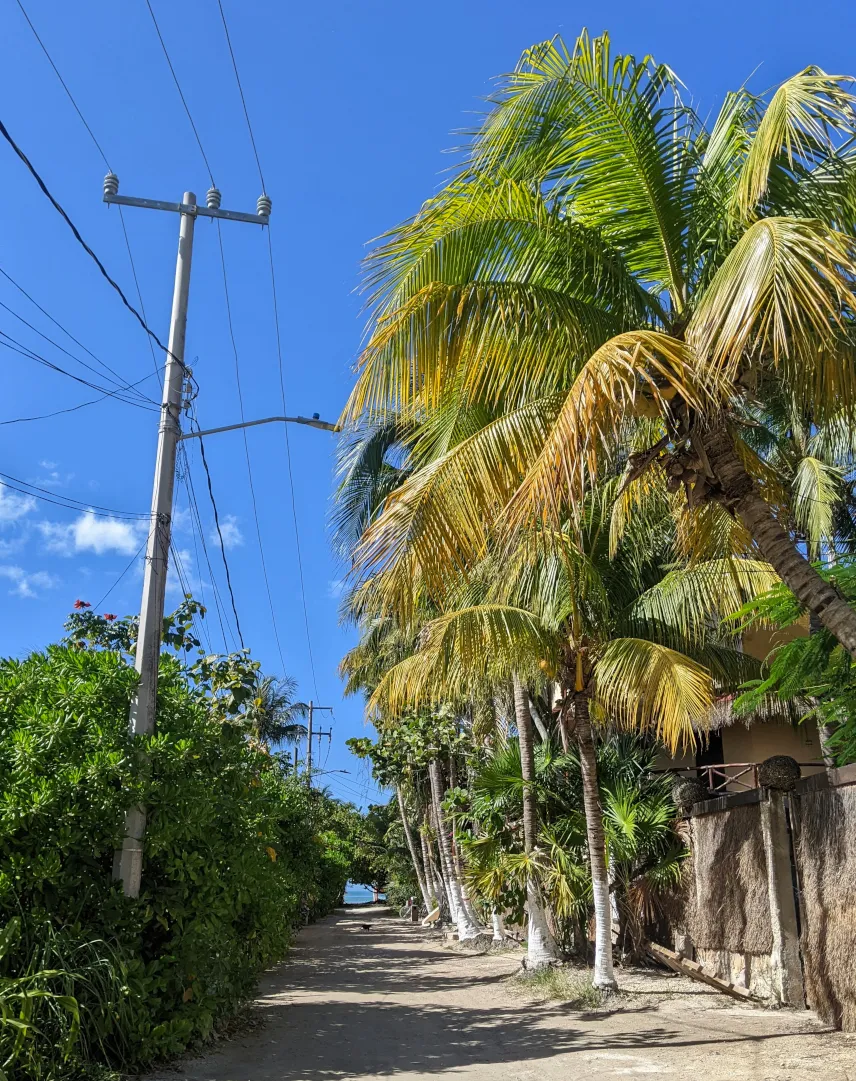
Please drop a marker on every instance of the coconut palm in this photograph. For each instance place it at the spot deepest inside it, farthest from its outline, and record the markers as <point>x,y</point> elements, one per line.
<point>604,625</point>
<point>604,268</point>
<point>274,712</point>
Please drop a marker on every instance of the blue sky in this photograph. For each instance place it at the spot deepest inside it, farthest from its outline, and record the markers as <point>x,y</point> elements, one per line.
<point>353,105</point>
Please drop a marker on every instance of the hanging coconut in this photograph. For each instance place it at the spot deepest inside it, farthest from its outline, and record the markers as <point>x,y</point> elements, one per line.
<point>687,791</point>
<point>779,771</point>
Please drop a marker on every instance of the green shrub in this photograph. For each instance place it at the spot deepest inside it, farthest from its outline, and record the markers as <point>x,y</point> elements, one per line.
<point>236,851</point>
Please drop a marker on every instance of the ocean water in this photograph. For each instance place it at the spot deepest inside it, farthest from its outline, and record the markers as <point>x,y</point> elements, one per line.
<point>358,895</point>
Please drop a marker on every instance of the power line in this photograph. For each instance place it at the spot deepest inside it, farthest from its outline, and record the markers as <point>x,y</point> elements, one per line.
<point>100,150</point>
<point>279,360</point>
<point>180,92</point>
<point>241,92</point>
<point>196,515</point>
<point>68,502</point>
<point>120,385</point>
<point>220,535</point>
<point>67,333</point>
<point>199,627</point>
<point>31,354</point>
<point>63,83</point>
<point>4,131</point>
<point>134,559</point>
<point>301,578</point>
<point>247,449</point>
<point>155,364</point>
<point>57,412</point>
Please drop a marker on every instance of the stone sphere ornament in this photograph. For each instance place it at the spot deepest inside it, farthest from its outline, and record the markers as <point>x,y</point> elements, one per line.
<point>780,771</point>
<point>689,790</point>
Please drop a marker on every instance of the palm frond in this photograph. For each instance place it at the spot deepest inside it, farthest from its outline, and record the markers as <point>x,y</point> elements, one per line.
<point>796,127</point>
<point>817,488</point>
<point>474,647</point>
<point>633,374</point>
<point>608,130</point>
<point>691,600</point>
<point>437,523</point>
<point>782,293</point>
<point>646,686</point>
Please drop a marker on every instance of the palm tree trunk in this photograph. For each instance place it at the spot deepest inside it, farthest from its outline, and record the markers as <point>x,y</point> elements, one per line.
<point>604,975</point>
<point>739,494</point>
<point>432,873</point>
<point>411,844</point>
<point>445,870</point>
<point>541,948</point>
<point>498,925</point>
<point>467,928</point>
<point>527,765</point>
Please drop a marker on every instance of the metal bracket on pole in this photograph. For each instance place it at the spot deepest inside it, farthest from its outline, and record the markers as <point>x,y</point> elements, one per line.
<point>189,208</point>
<point>313,422</point>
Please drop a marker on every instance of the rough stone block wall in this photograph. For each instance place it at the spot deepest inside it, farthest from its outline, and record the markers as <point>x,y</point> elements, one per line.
<point>826,857</point>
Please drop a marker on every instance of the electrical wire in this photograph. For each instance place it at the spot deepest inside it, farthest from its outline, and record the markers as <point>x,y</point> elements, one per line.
<point>279,359</point>
<point>196,515</point>
<point>134,559</point>
<point>31,354</point>
<point>158,368</point>
<point>247,448</point>
<point>68,334</point>
<point>220,536</point>
<point>4,131</point>
<point>241,92</point>
<point>100,150</point>
<point>199,628</point>
<point>180,92</point>
<point>63,83</point>
<point>301,577</point>
<point>120,385</point>
<point>68,502</point>
<point>57,412</point>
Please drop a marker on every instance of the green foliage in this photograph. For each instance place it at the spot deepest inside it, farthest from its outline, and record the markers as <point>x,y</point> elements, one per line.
<point>813,673</point>
<point>237,853</point>
<point>645,852</point>
<point>411,743</point>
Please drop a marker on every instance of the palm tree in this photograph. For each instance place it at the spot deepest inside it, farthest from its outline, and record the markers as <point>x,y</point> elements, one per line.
<point>608,274</point>
<point>274,713</point>
<point>603,624</point>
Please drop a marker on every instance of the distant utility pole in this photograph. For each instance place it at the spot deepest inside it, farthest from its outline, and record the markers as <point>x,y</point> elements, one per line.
<point>309,736</point>
<point>128,861</point>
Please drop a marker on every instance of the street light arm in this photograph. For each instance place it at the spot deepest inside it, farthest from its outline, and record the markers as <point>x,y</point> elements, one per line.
<point>312,422</point>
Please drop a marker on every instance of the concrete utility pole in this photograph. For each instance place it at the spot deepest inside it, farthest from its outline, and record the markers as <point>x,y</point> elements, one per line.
<point>128,861</point>
<point>309,735</point>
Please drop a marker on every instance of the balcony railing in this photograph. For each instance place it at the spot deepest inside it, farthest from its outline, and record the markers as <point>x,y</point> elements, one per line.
<point>742,776</point>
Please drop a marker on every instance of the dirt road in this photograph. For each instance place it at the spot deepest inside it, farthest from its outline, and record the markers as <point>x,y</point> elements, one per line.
<point>353,1005</point>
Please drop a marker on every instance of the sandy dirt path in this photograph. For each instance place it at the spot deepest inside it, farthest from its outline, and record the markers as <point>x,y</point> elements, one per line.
<point>352,1005</point>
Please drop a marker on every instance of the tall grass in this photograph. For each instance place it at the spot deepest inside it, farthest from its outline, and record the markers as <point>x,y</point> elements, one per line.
<point>63,1002</point>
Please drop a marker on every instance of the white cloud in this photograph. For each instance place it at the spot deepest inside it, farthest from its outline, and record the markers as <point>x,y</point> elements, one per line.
<point>14,506</point>
<point>90,534</point>
<point>10,547</point>
<point>189,578</point>
<point>181,521</point>
<point>27,585</point>
<point>335,588</point>
<point>48,465</point>
<point>232,535</point>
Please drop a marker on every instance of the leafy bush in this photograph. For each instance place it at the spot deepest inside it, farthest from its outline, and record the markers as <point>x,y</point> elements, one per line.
<point>236,853</point>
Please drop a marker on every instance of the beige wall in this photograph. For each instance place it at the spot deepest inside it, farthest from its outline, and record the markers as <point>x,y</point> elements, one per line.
<point>760,740</point>
<point>755,743</point>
